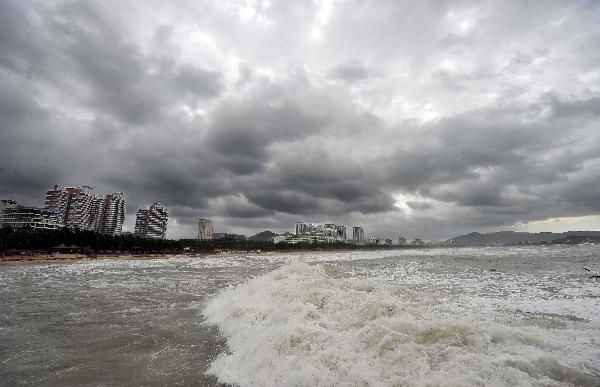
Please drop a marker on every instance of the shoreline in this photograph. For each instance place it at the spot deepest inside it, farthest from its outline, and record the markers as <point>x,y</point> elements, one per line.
<point>16,260</point>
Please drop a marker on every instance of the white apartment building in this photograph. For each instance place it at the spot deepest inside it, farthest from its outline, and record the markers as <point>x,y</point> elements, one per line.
<point>152,222</point>
<point>358,235</point>
<point>308,228</point>
<point>110,214</point>
<point>36,218</point>
<point>79,207</point>
<point>334,233</point>
<point>309,232</point>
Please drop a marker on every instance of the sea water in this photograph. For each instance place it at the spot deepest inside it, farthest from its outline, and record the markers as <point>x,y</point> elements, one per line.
<point>506,316</point>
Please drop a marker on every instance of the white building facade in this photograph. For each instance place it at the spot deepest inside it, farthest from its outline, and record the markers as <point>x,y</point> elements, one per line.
<point>358,235</point>
<point>79,207</point>
<point>33,217</point>
<point>152,222</point>
<point>110,214</point>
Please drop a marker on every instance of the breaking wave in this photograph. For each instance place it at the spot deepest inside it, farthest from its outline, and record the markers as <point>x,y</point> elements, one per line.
<point>313,325</point>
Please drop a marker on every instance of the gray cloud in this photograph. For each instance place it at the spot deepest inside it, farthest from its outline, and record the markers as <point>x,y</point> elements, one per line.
<point>467,116</point>
<point>352,71</point>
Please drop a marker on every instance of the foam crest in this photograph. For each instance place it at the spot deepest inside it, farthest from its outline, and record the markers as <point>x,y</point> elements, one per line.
<point>305,325</point>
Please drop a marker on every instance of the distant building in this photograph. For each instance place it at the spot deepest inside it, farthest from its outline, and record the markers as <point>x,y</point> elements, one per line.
<point>5,204</point>
<point>308,228</point>
<point>334,233</point>
<point>82,208</point>
<point>152,222</point>
<point>36,218</point>
<point>58,200</point>
<point>402,241</point>
<point>418,242</point>
<point>110,214</point>
<point>308,238</point>
<point>358,235</point>
<point>280,238</point>
<point>227,236</point>
<point>79,207</point>
<point>205,229</point>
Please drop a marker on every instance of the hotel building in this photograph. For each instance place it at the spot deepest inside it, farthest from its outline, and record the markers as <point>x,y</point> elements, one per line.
<point>358,235</point>
<point>79,207</point>
<point>313,233</point>
<point>22,216</point>
<point>152,222</point>
<point>110,214</point>
<point>334,233</point>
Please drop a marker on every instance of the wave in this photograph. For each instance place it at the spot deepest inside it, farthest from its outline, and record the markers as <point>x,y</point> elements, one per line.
<point>312,325</point>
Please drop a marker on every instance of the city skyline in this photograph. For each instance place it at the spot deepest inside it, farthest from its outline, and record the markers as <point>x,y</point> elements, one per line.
<point>431,119</point>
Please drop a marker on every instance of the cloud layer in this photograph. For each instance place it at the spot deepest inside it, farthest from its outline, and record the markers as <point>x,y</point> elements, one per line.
<point>423,120</point>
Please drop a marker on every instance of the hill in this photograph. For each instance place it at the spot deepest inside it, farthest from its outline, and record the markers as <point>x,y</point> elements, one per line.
<point>517,237</point>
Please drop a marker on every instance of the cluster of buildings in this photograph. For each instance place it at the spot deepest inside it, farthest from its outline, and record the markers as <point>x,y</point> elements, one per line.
<point>321,233</point>
<point>73,207</point>
<point>333,233</point>
<point>80,208</point>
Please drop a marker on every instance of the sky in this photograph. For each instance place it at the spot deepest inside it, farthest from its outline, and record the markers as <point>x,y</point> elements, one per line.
<point>423,119</point>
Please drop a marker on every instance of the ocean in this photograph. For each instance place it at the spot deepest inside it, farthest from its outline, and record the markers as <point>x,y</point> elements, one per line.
<point>493,316</point>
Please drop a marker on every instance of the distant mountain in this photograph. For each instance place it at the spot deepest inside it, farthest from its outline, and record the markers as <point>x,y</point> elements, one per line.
<point>263,236</point>
<point>516,237</point>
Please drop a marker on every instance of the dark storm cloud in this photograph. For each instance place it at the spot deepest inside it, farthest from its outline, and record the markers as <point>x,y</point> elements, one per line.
<point>446,117</point>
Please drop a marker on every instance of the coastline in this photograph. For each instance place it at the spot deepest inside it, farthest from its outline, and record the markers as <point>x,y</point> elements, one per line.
<point>16,260</point>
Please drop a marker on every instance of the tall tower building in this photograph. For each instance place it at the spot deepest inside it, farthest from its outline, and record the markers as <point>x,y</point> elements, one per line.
<point>358,235</point>
<point>57,201</point>
<point>340,233</point>
<point>152,222</point>
<point>79,207</point>
<point>205,229</point>
<point>82,208</point>
<point>110,214</point>
<point>75,207</point>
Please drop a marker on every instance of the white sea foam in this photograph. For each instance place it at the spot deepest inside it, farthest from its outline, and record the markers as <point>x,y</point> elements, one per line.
<point>304,325</point>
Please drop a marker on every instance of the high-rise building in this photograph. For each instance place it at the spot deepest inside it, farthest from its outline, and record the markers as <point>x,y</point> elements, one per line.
<point>340,233</point>
<point>82,208</point>
<point>79,207</point>
<point>110,214</point>
<point>75,207</point>
<point>358,235</point>
<point>308,228</point>
<point>152,222</point>
<point>334,233</point>
<point>57,201</point>
<point>205,229</point>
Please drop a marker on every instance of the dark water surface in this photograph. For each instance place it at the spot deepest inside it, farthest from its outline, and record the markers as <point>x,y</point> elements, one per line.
<point>110,322</point>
